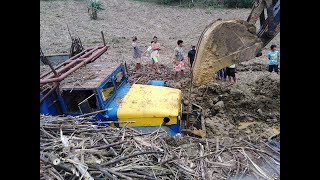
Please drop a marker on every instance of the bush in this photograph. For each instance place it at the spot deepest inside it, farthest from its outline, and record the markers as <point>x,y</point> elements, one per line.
<point>238,3</point>
<point>93,7</point>
<point>167,1</point>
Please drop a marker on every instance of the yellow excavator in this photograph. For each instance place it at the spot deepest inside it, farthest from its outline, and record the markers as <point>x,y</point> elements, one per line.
<point>223,43</point>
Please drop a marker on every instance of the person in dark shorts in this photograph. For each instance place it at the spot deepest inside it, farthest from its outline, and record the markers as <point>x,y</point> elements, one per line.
<point>231,72</point>
<point>274,59</point>
<point>191,55</point>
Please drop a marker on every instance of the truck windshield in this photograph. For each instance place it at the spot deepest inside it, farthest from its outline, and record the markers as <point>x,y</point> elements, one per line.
<point>119,78</point>
<point>107,91</point>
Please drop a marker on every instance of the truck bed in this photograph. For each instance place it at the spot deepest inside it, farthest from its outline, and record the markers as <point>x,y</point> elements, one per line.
<point>89,76</point>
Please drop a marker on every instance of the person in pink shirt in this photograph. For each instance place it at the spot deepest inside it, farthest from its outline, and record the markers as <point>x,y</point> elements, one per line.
<point>155,53</point>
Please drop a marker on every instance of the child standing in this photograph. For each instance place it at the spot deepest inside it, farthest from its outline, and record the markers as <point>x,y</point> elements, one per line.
<point>179,60</point>
<point>136,53</point>
<point>274,59</point>
<point>155,45</point>
<point>231,72</point>
<point>149,52</point>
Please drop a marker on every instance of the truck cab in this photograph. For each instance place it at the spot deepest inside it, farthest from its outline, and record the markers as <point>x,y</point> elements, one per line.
<point>142,107</point>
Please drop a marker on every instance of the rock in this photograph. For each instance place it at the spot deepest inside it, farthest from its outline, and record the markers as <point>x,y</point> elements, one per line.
<point>226,90</point>
<point>203,87</point>
<point>251,119</point>
<point>219,104</point>
<point>215,100</point>
<point>178,86</point>
<point>222,97</point>
<point>186,102</point>
<point>195,91</point>
<point>199,98</point>
<point>207,113</point>
<point>269,120</point>
<point>260,112</point>
<point>211,103</point>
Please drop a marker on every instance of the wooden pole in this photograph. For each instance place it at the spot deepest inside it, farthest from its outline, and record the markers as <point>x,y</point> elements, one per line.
<point>104,42</point>
<point>46,61</point>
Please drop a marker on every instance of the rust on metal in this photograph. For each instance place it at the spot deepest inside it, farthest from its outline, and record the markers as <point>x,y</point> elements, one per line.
<point>72,64</point>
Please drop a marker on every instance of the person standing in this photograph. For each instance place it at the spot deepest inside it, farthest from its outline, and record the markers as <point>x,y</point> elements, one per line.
<point>155,53</point>
<point>148,52</point>
<point>222,75</point>
<point>136,53</point>
<point>231,72</point>
<point>191,55</point>
<point>274,59</point>
<point>178,59</point>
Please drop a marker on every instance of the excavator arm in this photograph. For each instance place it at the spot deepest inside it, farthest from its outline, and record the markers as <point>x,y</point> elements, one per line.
<point>270,26</point>
<point>223,43</point>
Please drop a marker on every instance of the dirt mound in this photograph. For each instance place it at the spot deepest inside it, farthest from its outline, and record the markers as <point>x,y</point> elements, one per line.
<point>220,126</point>
<point>251,67</point>
<point>229,109</point>
<point>267,86</point>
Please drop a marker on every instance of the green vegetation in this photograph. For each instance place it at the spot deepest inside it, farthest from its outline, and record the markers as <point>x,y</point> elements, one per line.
<point>205,3</point>
<point>93,7</point>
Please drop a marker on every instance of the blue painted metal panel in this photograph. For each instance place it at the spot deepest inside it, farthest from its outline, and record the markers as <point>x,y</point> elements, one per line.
<point>62,104</point>
<point>114,104</point>
<point>47,107</point>
<point>156,82</point>
<point>176,128</point>
<point>99,89</point>
<point>118,94</point>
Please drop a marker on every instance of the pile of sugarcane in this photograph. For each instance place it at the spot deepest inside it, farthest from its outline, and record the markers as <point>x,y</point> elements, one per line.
<point>74,148</point>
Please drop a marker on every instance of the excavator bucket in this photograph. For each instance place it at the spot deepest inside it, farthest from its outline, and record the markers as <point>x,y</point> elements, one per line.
<point>222,44</point>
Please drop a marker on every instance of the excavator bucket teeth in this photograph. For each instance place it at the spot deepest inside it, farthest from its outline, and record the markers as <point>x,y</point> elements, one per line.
<point>222,44</point>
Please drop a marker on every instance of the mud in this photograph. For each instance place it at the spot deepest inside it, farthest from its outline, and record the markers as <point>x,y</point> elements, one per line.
<point>252,67</point>
<point>228,107</point>
<point>267,86</point>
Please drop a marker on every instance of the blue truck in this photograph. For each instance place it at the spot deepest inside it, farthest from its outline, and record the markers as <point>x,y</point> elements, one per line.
<point>90,85</point>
